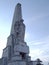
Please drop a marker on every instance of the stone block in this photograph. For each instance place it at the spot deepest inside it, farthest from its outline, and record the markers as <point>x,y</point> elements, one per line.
<point>16,57</point>
<point>7,52</point>
<point>29,58</point>
<point>10,40</point>
<point>22,43</point>
<point>17,63</point>
<point>21,48</point>
<point>16,53</point>
<point>32,63</point>
<point>3,61</point>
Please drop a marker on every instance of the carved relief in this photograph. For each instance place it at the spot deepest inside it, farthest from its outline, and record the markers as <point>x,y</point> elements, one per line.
<point>19,30</point>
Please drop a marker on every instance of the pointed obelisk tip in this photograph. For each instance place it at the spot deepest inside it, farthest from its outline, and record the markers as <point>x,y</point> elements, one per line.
<point>17,13</point>
<point>18,4</point>
<point>17,16</point>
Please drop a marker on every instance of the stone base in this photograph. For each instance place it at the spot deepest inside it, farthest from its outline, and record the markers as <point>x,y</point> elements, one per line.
<point>7,52</point>
<point>21,48</point>
<point>17,63</point>
<point>3,61</point>
<point>17,57</point>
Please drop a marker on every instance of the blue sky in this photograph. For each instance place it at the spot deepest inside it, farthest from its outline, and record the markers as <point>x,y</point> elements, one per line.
<point>36,18</point>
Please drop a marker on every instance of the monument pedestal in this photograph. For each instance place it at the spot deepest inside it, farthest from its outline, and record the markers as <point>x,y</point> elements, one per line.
<point>17,63</point>
<point>21,48</point>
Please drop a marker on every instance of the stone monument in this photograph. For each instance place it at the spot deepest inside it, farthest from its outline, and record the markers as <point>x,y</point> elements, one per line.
<point>16,51</point>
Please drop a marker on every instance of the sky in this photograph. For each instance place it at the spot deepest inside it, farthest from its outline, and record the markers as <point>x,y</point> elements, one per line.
<point>36,18</point>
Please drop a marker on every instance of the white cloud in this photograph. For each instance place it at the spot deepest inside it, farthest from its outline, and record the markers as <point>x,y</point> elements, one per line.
<point>40,49</point>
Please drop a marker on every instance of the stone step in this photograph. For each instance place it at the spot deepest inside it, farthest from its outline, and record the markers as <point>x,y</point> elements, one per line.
<point>16,57</point>
<point>17,63</point>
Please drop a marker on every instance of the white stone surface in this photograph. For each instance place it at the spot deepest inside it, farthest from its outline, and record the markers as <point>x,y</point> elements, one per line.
<point>17,13</point>
<point>16,53</point>
<point>17,63</point>
<point>17,16</point>
<point>17,57</point>
<point>21,48</point>
<point>6,52</point>
<point>34,62</point>
<point>9,40</point>
<point>22,43</point>
<point>29,58</point>
<point>30,63</point>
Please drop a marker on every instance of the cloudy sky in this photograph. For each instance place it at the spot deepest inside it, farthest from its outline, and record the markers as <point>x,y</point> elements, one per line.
<point>36,18</point>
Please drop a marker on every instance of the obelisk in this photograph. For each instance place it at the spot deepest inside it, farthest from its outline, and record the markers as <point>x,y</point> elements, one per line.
<point>17,16</point>
<point>16,51</point>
